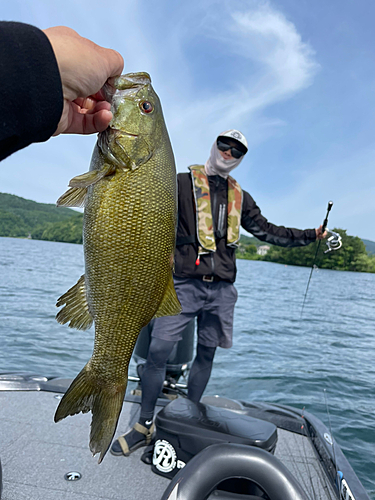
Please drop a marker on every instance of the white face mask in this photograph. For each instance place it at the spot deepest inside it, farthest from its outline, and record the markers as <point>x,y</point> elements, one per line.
<point>216,165</point>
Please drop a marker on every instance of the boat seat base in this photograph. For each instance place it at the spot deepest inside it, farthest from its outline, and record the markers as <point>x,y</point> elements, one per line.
<point>184,428</point>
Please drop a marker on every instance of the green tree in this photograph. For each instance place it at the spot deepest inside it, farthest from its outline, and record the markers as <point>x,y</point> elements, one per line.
<point>12,225</point>
<point>248,252</point>
<point>25,216</point>
<point>352,256</point>
<point>361,263</point>
<point>67,231</point>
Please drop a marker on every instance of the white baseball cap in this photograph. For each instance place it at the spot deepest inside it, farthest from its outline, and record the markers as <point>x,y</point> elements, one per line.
<point>236,135</point>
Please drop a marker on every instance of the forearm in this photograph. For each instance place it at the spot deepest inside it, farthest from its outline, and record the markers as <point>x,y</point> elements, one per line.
<point>32,99</point>
<point>255,223</point>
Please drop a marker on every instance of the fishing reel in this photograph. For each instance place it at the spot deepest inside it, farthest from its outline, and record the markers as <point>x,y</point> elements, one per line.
<point>333,241</point>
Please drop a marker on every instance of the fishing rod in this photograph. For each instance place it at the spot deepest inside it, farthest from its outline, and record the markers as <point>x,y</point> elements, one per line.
<point>333,242</point>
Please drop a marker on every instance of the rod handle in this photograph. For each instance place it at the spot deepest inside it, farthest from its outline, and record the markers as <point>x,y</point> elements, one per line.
<point>330,204</point>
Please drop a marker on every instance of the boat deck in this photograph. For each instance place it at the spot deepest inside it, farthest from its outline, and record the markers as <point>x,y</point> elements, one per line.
<point>36,453</point>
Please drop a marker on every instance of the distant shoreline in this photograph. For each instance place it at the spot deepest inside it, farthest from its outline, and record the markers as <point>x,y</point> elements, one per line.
<point>27,219</point>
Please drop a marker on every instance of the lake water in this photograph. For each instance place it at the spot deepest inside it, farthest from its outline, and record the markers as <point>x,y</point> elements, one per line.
<point>277,356</point>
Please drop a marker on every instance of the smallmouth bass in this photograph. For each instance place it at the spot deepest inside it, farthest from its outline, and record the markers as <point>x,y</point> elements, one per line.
<point>130,200</point>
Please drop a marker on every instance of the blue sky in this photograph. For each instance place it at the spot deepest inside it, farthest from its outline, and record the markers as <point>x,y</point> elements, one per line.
<point>296,77</point>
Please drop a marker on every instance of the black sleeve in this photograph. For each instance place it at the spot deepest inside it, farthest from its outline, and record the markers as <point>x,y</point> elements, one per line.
<point>31,101</point>
<point>186,215</point>
<point>253,221</point>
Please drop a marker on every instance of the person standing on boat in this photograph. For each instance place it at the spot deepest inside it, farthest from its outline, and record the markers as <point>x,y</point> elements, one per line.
<point>211,208</point>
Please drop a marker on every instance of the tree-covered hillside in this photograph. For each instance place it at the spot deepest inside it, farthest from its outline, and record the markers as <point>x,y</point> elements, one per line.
<point>250,240</point>
<point>370,246</point>
<point>352,256</point>
<point>20,218</point>
<point>23,218</point>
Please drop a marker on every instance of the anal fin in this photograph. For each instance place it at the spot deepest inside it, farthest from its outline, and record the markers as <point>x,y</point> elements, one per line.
<point>76,309</point>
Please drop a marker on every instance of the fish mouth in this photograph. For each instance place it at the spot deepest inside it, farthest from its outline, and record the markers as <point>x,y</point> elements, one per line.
<point>131,81</point>
<point>123,132</point>
<point>109,135</point>
<point>126,83</point>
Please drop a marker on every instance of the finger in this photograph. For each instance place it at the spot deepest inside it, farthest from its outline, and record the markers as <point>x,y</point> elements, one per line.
<point>90,103</point>
<point>100,121</point>
<point>100,95</point>
<point>89,123</point>
<point>77,120</point>
<point>114,60</point>
<point>85,103</point>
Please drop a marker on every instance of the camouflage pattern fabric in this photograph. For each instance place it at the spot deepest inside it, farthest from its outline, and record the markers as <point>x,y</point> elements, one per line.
<point>204,222</point>
<point>234,212</point>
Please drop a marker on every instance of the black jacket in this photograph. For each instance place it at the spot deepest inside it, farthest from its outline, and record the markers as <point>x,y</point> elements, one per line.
<point>31,101</point>
<point>222,263</point>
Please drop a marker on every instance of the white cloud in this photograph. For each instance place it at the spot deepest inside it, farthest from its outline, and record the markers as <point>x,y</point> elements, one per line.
<point>267,36</point>
<point>271,63</point>
<point>252,58</point>
<point>216,64</point>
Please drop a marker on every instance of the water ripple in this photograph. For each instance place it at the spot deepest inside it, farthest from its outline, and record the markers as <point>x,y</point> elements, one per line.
<point>278,356</point>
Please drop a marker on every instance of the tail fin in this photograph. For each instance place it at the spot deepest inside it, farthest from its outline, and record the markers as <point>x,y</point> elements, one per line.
<point>104,401</point>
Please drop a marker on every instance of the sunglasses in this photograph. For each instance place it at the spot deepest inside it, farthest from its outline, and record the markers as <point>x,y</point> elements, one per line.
<point>223,146</point>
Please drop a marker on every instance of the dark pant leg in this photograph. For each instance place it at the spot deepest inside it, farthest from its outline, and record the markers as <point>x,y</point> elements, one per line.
<point>153,375</point>
<point>200,372</point>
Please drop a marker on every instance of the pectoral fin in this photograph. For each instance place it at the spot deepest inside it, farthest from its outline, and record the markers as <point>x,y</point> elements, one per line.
<point>76,195</point>
<point>170,305</point>
<point>92,177</point>
<point>76,308</point>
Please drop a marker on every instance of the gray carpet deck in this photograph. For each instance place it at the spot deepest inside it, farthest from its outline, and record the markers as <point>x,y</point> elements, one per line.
<point>36,453</point>
<point>298,455</point>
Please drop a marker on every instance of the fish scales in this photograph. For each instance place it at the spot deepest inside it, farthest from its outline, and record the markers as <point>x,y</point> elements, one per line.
<point>130,200</point>
<point>125,302</point>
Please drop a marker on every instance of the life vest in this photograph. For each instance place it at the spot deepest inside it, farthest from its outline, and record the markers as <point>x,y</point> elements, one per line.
<point>204,223</point>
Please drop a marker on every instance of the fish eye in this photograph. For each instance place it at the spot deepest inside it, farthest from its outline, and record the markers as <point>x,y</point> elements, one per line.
<point>146,107</point>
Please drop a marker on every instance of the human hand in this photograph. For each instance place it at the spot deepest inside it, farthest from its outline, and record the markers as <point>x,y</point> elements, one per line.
<point>84,69</point>
<point>319,233</point>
